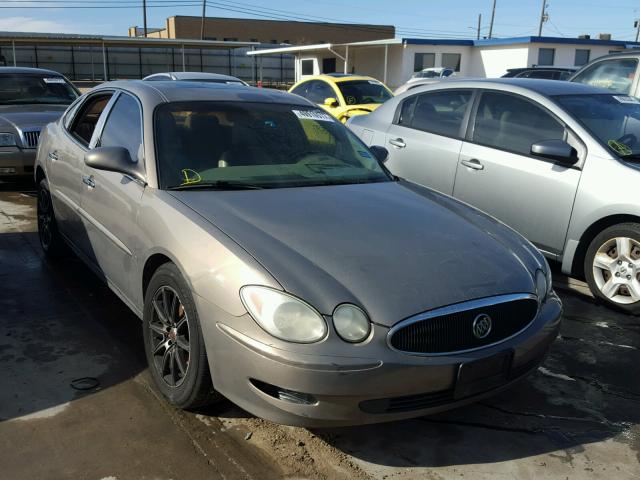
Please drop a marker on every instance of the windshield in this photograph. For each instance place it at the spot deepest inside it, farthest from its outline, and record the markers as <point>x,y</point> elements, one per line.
<point>257,145</point>
<point>35,89</point>
<point>613,119</point>
<point>357,92</point>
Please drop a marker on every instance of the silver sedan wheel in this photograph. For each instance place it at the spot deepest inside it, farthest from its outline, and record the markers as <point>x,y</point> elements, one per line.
<point>169,329</point>
<point>616,270</point>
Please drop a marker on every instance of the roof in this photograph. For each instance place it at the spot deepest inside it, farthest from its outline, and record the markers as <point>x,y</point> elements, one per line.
<point>28,71</point>
<point>171,91</point>
<point>453,42</point>
<point>543,87</point>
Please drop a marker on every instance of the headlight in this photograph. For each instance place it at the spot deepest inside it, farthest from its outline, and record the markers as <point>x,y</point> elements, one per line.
<point>283,315</point>
<point>351,323</point>
<point>7,140</point>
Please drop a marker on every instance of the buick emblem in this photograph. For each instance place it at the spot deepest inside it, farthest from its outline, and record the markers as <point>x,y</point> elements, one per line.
<point>482,326</point>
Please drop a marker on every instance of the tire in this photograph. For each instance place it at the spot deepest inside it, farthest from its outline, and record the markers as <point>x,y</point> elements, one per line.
<point>51,241</point>
<point>612,267</point>
<point>173,341</point>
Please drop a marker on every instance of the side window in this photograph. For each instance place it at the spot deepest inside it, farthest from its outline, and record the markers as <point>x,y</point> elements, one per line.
<point>85,122</point>
<point>441,112</point>
<point>123,127</point>
<point>512,123</point>
<point>406,111</point>
<point>319,91</point>
<point>616,74</point>
<point>71,112</point>
<point>301,89</point>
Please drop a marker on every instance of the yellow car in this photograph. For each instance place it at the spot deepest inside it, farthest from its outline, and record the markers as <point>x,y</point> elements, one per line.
<point>342,95</point>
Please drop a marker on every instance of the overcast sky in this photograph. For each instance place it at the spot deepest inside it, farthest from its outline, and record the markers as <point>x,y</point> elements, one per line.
<point>412,18</point>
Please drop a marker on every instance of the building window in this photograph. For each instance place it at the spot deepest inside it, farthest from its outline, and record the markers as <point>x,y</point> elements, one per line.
<point>253,40</point>
<point>328,65</point>
<point>211,38</point>
<point>423,60</point>
<point>451,60</point>
<point>230,39</point>
<point>306,67</point>
<point>274,41</point>
<point>546,56</point>
<point>582,57</point>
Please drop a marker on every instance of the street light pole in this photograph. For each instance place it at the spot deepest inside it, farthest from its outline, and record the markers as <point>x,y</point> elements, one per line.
<point>479,22</point>
<point>493,14</point>
<point>204,11</point>
<point>637,25</point>
<point>144,16</point>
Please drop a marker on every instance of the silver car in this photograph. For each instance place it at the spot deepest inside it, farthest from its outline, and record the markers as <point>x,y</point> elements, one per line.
<point>275,261</point>
<point>557,161</point>
<point>29,99</point>
<point>195,77</point>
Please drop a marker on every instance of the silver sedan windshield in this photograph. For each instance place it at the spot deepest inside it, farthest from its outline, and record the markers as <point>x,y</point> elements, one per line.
<point>257,145</point>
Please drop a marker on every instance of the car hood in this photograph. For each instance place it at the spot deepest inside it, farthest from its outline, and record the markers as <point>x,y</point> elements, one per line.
<point>394,248</point>
<point>25,116</point>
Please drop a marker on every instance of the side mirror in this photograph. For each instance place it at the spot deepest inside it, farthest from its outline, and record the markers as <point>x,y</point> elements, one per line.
<point>331,102</point>
<point>112,159</point>
<point>381,153</point>
<point>558,150</point>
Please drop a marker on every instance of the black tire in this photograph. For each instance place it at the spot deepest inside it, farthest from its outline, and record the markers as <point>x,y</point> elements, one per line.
<point>624,266</point>
<point>182,376</point>
<point>51,241</point>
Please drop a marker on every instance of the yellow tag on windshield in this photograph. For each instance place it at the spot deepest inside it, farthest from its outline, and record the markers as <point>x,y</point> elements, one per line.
<point>619,147</point>
<point>190,176</point>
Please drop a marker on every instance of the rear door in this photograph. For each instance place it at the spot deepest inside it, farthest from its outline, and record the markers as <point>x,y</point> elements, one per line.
<point>66,162</point>
<point>110,200</point>
<point>425,138</point>
<point>497,173</point>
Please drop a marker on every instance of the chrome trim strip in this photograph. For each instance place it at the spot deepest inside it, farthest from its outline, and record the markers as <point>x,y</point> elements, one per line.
<point>461,307</point>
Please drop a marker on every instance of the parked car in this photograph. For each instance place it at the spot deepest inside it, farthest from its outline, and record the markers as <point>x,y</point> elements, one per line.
<point>272,257</point>
<point>343,96</point>
<point>557,161</point>
<point>545,73</point>
<point>617,72</point>
<point>195,77</point>
<point>29,99</point>
<point>420,82</point>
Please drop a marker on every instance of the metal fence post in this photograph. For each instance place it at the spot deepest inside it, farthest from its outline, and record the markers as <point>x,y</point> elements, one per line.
<point>183,65</point>
<point>104,62</point>
<point>13,47</point>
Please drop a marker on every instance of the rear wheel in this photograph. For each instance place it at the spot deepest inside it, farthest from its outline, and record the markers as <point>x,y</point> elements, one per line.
<point>612,267</point>
<point>51,241</point>
<point>173,341</point>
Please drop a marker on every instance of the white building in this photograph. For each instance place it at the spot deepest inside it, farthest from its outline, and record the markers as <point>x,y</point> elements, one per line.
<point>394,60</point>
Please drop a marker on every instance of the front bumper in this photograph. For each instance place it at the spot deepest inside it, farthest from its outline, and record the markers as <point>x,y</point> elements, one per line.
<point>365,384</point>
<point>15,161</point>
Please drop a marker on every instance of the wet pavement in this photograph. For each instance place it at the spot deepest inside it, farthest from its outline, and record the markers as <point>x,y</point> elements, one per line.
<point>76,400</point>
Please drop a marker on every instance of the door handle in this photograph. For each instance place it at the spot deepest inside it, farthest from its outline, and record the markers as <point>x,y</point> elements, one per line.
<point>88,180</point>
<point>473,163</point>
<point>397,142</point>
<point>53,155</point>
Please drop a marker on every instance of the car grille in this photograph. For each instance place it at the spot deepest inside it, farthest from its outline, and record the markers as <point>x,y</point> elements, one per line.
<point>31,138</point>
<point>450,329</point>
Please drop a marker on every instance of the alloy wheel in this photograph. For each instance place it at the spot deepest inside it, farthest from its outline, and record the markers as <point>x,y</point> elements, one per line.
<point>45,218</point>
<point>169,336</point>
<point>616,270</point>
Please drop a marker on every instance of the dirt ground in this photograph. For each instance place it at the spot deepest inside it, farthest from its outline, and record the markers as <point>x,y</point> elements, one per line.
<point>76,401</point>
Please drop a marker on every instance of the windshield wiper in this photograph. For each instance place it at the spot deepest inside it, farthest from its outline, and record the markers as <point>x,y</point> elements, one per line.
<point>219,185</point>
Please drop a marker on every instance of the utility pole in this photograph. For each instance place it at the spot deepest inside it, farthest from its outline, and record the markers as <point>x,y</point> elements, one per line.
<point>493,14</point>
<point>144,16</point>
<point>204,11</point>
<point>637,25</point>
<point>543,17</point>
<point>479,22</point>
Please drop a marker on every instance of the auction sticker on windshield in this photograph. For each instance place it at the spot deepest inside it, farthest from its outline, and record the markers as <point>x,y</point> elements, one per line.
<point>626,99</point>
<point>313,115</point>
<point>54,80</point>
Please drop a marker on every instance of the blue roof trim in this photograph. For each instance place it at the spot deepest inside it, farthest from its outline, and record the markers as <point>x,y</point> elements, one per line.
<point>519,40</point>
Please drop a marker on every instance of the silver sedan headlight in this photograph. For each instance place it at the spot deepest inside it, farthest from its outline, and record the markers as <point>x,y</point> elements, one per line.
<point>282,315</point>
<point>7,140</point>
<point>351,323</point>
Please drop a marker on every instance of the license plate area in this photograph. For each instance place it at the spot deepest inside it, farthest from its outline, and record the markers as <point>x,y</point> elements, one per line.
<point>483,375</point>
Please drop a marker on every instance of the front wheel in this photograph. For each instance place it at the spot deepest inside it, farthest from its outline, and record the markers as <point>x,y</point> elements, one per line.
<point>173,341</point>
<point>612,267</point>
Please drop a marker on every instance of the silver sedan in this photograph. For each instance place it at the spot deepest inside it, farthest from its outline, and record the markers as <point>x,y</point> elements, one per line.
<point>557,161</point>
<point>274,260</point>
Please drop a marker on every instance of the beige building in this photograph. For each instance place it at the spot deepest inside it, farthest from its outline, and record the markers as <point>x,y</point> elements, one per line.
<point>265,31</point>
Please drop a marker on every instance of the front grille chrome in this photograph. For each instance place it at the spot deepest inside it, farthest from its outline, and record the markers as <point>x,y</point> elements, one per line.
<point>450,330</point>
<point>30,138</point>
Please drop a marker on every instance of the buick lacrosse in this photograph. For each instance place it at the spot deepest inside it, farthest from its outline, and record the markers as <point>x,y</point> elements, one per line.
<point>274,260</point>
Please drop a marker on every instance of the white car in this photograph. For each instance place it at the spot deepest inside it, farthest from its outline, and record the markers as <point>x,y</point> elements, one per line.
<point>196,77</point>
<point>425,77</point>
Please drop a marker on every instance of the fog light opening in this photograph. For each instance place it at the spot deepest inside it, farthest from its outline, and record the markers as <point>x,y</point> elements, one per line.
<point>284,394</point>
